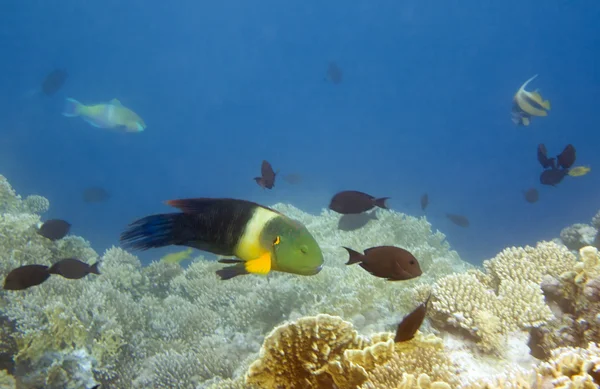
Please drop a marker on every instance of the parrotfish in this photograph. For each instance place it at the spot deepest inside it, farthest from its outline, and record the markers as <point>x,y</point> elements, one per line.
<point>527,104</point>
<point>111,115</point>
<point>263,239</point>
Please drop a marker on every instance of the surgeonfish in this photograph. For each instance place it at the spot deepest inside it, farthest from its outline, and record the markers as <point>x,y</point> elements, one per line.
<point>54,81</point>
<point>411,323</point>
<point>25,277</point>
<point>424,201</point>
<point>352,201</point>
<point>531,195</point>
<point>73,268</point>
<point>578,171</point>
<point>267,176</point>
<point>527,104</point>
<point>112,115</point>
<point>54,229</point>
<point>263,239</point>
<point>389,262</point>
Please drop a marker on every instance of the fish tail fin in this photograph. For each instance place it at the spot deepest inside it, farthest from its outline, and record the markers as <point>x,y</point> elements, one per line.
<point>260,181</point>
<point>355,256</point>
<point>525,121</point>
<point>72,108</point>
<point>94,268</point>
<point>229,272</point>
<point>157,231</point>
<point>381,202</point>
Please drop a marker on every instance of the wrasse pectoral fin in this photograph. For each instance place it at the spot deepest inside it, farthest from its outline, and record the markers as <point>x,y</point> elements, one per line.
<point>260,265</point>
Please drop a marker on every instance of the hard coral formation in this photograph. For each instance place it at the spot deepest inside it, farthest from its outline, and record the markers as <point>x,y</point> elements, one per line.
<point>122,325</point>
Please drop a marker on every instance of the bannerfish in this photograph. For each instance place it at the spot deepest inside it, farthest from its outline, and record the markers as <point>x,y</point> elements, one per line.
<point>334,73</point>
<point>542,157</point>
<point>95,194</point>
<point>527,104</point>
<point>54,229</point>
<point>111,115</point>
<point>54,81</point>
<point>411,323</point>
<point>459,220</point>
<point>531,195</point>
<point>267,176</point>
<point>566,159</point>
<point>424,201</point>
<point>351,201</point>
<point>352,222</point>
<point>389,262</point>
<point>553,177</point>
<point>177,257</point>
<point>25,277</point>
<point>263,239</point>
<point>579,171</point>
<point>73,268</point>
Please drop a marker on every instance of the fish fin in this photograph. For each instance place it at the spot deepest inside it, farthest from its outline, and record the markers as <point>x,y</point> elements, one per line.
<point>72,108</point>
<point>115,102</point>
<point>156,231</point>
<point>92,122</point>
<point>139,126</point>
<point>229,272</point>
<point>355,256</point>
<point>546,104</point>
<point>525,121</point>
<point>94,268</point>
<point>229,260</point>
<point>260,265</point>
<point>528,81</point>
<point>381,202</point>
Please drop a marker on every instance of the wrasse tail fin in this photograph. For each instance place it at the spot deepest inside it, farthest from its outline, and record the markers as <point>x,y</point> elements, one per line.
<point>153,231</point>
<point>355,256</point>
<point>72,108</point>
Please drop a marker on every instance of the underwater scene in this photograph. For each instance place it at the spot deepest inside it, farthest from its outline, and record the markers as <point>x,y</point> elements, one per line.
<point>299,195</point>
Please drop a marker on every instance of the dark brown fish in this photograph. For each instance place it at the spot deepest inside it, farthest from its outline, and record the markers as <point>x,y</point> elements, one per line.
<point>389,262</point>
<point>25,277</point>
<point>95,194</point>
<point>553,177</point>
<point>351,201</point>
<point>54,229</point>
<point>411,323</point>
<point>334,73</point>
<point>54,81</point>
<point>531,195</point>
<point>459,220</point>
<point>267,178</point>
<point>73,268</point>
<point>542,157</point>
<point>566,159</point>
<point>352,222</point>
<point>424,201</point>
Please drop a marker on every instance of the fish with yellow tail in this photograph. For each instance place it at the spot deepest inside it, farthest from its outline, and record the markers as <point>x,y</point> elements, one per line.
<point>178,257</point>
<point>261,239</point>
<point>111,115</point>
<point>527,104</point>
<point>579,171</point>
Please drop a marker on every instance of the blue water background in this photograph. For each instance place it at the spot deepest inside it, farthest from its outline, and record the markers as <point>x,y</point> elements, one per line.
<point>424,107</point>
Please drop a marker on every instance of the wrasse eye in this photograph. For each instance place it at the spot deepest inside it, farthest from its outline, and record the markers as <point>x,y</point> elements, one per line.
<point>276,241</point>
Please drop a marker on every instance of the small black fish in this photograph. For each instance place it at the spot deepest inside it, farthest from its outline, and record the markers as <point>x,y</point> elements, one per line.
<point>542,157</point>
<point>25,277</point>
<point>566,159</point>
<point>411,323</point>
<point>95,194</point>
<point>531,195</point>
<point>553,177</point>
<point>73,268</point>
<point>351,202</point>
<point>293,178</point>
<point>267,178</point>
<point>54,229</point>
<point>389,262</point>
<point>334,73</point>
<point>54,81</point>
<point>424,201</point>
<point>352,222</point>
<point>459,220</point>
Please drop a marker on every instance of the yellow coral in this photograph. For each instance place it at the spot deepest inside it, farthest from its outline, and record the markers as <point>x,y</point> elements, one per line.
<point>572,368</point>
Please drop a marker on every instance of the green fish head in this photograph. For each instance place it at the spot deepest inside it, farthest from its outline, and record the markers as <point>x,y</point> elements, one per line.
<point>296,251</point>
